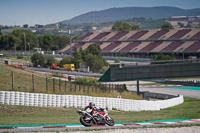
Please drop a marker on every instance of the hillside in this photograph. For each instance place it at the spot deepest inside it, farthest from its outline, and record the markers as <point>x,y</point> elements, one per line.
<point>114,14</point>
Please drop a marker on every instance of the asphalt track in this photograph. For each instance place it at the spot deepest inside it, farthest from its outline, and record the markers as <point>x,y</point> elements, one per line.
<point>62,127</point>
<point>193,92</point>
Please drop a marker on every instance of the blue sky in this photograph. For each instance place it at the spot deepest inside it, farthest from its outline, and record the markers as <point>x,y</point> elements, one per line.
<point>19,12</point>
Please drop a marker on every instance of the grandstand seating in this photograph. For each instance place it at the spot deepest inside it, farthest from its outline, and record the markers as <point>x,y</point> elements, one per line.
<point>77,45</point>
<point>124,38</point>
<point>147,35</point>
<point>100,36</point>
<point>118,35</point>
<point>105,44</point>
<point>137,35</point>
<point>196,36</point>
<point>110,46</point>
<point>193,48</point>
<point>119,47</point>
<point>184,46</point>
<point>172,46</point>
<point>106,38</point>
<point>140,46</point>
<point>130,46</point>
<point>89,38</point>
<point>85,46</point>
<point>148,41</point>
<point>157,35</point>
<point>160,47</point>
<point>85,36</point>
<point>150,47</point>
<point>179,34</point>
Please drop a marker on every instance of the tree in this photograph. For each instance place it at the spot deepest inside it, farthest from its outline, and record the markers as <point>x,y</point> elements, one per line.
<point>60,41</point>
<point>95,62</point>
<point>119,26</point>
<point>135,27</point>
<point>38,59</point>
<point>167,26</point>
<point>49,60</point>
<point>94,49</point>
<point>89,60</point>
<point>46,42</point>
<point>65,60</point>
<point>0,32</point>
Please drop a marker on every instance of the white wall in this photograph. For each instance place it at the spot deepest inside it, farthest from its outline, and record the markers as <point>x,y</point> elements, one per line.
<point>50,100</point>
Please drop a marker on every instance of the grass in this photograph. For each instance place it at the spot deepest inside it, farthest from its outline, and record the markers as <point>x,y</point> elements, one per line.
<point>23,83</point>
<point>19,115</point>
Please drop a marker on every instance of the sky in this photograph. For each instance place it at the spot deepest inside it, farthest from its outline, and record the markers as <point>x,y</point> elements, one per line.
<point>31,12</point>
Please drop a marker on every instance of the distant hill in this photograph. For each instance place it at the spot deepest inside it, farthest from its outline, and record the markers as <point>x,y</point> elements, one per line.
<point>114,14</point>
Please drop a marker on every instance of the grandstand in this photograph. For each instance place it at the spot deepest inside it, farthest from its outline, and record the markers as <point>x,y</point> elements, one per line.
<point>141,43</point>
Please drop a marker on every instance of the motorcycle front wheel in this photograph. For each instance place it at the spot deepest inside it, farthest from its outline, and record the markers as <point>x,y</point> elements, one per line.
<point>109,121</point>
<point>84,122</point>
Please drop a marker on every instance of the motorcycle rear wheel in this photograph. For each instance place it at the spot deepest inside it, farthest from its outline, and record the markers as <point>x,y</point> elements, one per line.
<point>85,123</point>
<point>109,121</point>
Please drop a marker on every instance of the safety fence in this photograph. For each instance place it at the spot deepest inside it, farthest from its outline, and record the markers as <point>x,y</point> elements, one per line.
<point>79,101</point>
<point>27,82</point>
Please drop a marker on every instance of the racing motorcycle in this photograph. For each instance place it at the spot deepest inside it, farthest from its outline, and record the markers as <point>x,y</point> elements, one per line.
<point>101,118</point>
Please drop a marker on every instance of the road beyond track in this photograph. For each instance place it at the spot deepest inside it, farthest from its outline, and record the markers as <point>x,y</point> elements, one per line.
<point>64,72</point>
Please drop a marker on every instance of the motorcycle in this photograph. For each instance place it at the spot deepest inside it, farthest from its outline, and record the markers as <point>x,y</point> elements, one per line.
<point>101,118</point>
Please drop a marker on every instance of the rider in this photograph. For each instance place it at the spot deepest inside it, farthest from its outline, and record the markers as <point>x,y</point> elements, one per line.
<point>91,108</point>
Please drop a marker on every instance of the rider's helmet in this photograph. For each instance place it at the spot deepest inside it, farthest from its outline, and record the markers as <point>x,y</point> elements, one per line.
<point>91,104</point>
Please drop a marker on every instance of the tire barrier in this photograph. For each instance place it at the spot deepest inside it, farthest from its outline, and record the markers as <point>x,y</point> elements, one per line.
<point>79,101</point>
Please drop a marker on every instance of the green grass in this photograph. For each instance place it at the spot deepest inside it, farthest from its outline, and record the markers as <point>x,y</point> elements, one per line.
<point>22,115</point>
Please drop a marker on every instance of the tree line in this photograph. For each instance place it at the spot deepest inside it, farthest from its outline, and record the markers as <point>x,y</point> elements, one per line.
<point>19,38</point>
<point>120,26</point>
<point>92,57</point>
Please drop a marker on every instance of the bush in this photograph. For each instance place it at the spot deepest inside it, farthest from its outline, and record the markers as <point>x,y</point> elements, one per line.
<point>86,80</point>
<point>160,57</point>
<point>19,57</point>
<point>117,60</point>
<point>38,59</point>
<point>49,60</point>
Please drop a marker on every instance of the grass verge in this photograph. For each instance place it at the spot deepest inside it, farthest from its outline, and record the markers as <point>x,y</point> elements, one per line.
<point>22,115</point>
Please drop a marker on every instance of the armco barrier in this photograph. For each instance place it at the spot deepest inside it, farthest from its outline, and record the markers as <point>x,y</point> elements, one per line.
<point>51,100</point>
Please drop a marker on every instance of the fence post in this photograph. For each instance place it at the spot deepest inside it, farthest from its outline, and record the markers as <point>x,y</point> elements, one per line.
<point>83,87</point>
<point>92,85</point>
<point>112,87</point>
<point>96,87</point>
<point>79,87</point>
<point>33,81</point>
<point>75,83</point>
<point>70,85</point>
<point>109,87</point>
<point>59,85</point>
<point>46,84</point>
<point>12,74</point>
<point>138,87</point>
<point>88,88</point>
<point>53,85</point>
<point>65,85</point>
